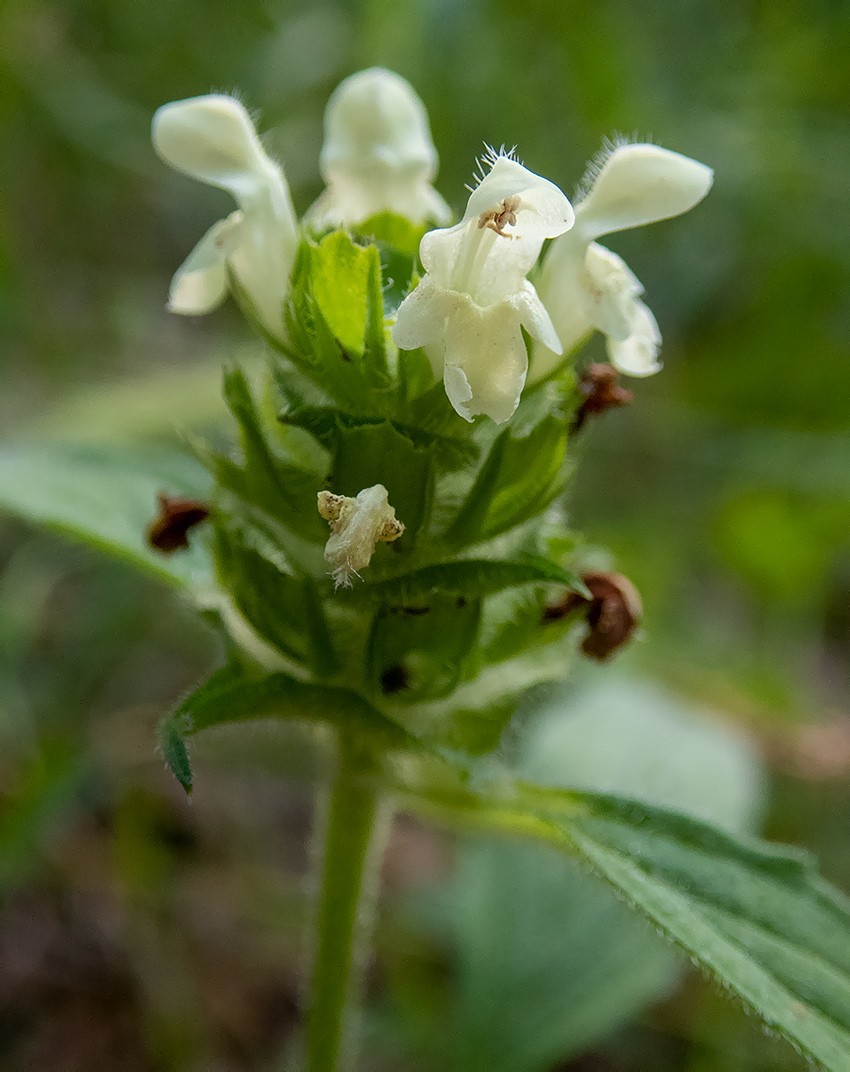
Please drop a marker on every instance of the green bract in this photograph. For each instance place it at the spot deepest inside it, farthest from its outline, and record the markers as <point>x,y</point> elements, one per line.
<point>338,410</point>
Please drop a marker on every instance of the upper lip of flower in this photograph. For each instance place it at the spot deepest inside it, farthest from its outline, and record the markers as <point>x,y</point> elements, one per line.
<point>377,155</point>
<point>488,254</point>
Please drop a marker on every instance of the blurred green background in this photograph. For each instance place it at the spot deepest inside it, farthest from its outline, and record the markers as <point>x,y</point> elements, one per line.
<point>137,932</point>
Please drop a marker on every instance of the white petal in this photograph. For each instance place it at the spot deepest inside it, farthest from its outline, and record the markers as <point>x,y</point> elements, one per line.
<point>263,262</point>
<point>200,283</point>
<point>535,319</point>
<point>212,139</point>
<point>545,211</point>
<point>486,360</point>
<point>562,291</point>
<point>640,184</point>
<point>608,289</point>
<point>349,202</point>
<point>376,115</point>
<point>478,261</point>
<point>458,391</point>
<point>508,216</point>
<point>637,355</point>
<point>439,251</point>
<point>421,317</point>
<point>378,155</point>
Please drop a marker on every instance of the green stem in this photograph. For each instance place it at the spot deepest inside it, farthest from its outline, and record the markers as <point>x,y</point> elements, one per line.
<point>352,839</point>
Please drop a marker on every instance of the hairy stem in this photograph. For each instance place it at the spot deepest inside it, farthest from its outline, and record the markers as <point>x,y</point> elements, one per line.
<point>357,819</point>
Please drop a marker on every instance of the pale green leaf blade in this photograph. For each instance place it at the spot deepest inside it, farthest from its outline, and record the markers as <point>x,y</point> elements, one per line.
<point>105,496</point>
<point>341,276</point>
<point>757,918</point>
<point>545,961</point>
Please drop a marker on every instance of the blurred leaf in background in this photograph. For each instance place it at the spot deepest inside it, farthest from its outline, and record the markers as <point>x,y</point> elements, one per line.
<point>542,960</point>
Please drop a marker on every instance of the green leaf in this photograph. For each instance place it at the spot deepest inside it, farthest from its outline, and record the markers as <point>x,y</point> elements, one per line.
<point>472,718</point>
<point>376,337</point>
<point>514,618</point>
<point>335,324</point>
<point>758,918</point>
<point>398,232</point>
<point>518,480</point>
<point>421,653</point>
<point>415,383</point>
<point>173,747</point>
<point>476,730</point>
<point>369,454</point>
<point>233,695</point>
<point>467,527</point>
<point>342,276</point>
<point>430,409</point>
<point>283,491</point>
<point>544,960</point>
<point>472,578</point>
<point>531,476</point>
<point>285,610</point>
<point>106,496</point>
<point>398,241</point>
<point>323,422</point>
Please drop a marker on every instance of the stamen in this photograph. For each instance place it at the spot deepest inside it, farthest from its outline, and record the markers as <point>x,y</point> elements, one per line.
<point>504,215</point>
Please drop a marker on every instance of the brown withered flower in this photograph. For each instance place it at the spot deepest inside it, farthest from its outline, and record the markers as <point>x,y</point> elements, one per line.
<point>613,612</point>
<point>169,530</point>
<point>600,386</point>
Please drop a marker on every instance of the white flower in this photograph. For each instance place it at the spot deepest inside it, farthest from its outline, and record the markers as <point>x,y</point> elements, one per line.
<point>474,298</point>
<point>586,287</point>
<point>378,155</point>
<point>213,139</point>
<point>357,525</point>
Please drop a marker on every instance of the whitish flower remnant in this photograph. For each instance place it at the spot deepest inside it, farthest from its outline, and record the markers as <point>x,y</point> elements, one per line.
<point>357,525</point>
<point>378,155</point>
<point>213,139</point>
<point>585,286</point>
<point>469,308</point>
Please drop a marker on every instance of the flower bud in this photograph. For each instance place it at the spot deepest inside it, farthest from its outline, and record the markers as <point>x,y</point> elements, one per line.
<point>378,155</point>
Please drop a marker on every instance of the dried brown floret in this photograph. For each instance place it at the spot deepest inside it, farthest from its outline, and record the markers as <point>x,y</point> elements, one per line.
<point>169,530</point>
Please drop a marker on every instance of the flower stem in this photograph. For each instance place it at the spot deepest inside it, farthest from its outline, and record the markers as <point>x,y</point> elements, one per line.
<point>356,820</point>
